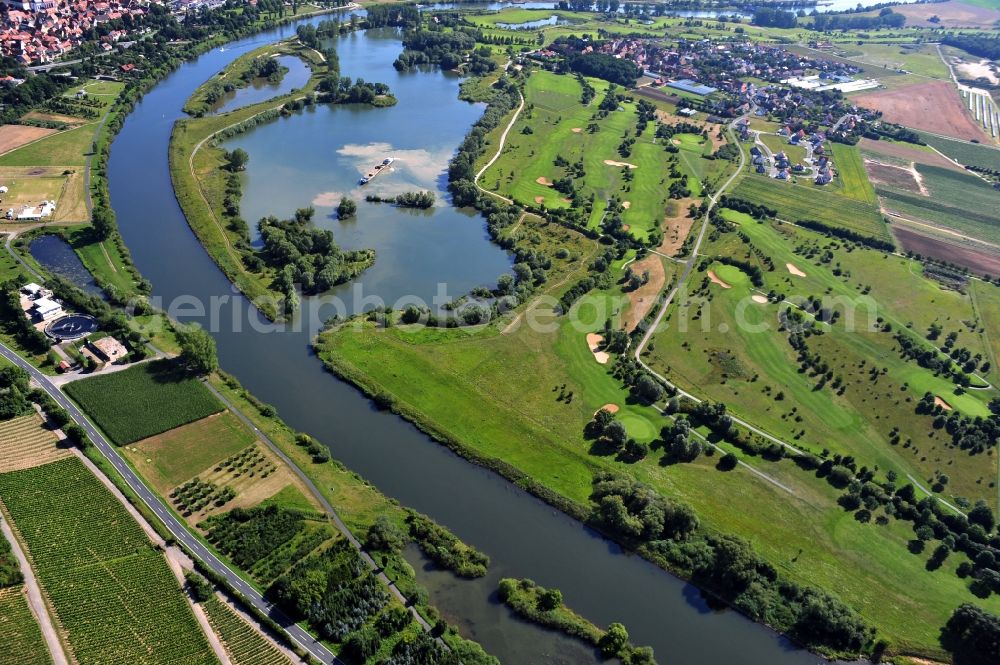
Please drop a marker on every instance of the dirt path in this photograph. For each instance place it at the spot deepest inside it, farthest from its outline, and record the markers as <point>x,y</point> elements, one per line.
<point>643,298</point>
<point>496,156</point>
<point>35,601</point>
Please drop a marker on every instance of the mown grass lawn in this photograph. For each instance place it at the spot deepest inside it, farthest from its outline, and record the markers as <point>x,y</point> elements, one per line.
<point>559,126</point>
<point>723,346</point>
<point>143,401</point>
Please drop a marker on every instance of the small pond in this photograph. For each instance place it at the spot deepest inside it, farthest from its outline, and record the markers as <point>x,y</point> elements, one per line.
<point>55,255</point>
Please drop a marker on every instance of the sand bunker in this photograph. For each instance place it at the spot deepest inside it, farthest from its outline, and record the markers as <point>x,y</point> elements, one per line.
<point>626,204</point>
<point>759,298</point>
<point>795,271</point>
<point>610,408</point>
<point>611,162</point>
<point>577,130</point>
<point>542,180</point>
<point>539,199</point>
<point>943,404</point>
<point>626,227</point>
<point>715,280</point>
<point>593,341</point>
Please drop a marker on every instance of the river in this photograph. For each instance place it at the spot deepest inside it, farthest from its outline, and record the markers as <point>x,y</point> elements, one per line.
<point>523,536</point>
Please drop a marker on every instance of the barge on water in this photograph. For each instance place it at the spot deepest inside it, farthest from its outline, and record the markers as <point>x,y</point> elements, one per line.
<point>379,168</point>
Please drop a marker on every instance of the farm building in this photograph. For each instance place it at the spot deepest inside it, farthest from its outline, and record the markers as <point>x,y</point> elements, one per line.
<point>687,85</point>
<point>32,289</point>
<point>32,213</point>
<point>109,349</point>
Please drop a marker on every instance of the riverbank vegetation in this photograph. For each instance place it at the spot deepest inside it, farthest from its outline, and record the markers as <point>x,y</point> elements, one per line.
<point>305,257</point>
<point>259,65</point>
<point>545,607</point>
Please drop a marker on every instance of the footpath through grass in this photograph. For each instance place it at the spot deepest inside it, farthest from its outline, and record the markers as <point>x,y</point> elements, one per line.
<point>112,591</point>
<point>143,401</point>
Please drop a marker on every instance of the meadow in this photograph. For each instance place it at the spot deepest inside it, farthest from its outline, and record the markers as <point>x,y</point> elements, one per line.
<point>143,401</point>
<point>168,459</point>
<point>796,202</point>
<point>852,180</point>
<point>21,640</point>
<point>502,411</point>
<point>97,566</point>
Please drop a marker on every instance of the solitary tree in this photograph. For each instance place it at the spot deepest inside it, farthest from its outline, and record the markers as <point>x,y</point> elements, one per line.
<point>103,221</point>
<point>197,350</point>
<point>614,640</point>
<point>347,208</point>
<point>237,159</point>
<point>550,599</point>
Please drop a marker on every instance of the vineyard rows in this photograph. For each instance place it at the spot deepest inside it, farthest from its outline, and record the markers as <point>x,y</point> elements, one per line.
<point>21,641</point>
<point>244,645</point>
<point>112,591</point>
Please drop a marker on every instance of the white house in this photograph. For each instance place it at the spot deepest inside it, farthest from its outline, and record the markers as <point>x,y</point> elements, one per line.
<point>46,309</point>
<point>3,189</point>
<point>32,289</point>
<point>31,213</point>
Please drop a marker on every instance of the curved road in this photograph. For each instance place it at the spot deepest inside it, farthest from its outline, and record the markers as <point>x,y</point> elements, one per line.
<point>173,524</point>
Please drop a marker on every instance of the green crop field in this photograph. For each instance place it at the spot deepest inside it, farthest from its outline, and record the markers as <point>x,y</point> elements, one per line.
<point>21,640</point>
<point>969,154</point>
<point>955,200</point>
<point>143,401</point>
<point>796,202</point>
<point>852,180</point>
<point>67,148</point>
<point>98,567</point>
<point>243,644</point>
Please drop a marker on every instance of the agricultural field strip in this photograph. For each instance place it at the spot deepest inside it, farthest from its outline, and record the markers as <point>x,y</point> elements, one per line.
<point>21,641</point>
<point>35,601</point>
<point>170,521</point>
<point>97,570</point>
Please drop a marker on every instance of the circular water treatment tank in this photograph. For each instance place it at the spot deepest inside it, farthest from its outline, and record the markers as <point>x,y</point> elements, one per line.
<point>71,327</point>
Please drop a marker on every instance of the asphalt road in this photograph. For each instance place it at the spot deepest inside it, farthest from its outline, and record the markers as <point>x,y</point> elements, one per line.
<point>173,524</point>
